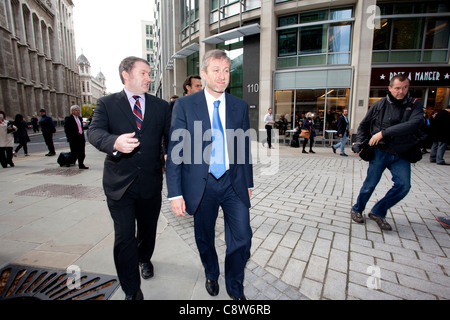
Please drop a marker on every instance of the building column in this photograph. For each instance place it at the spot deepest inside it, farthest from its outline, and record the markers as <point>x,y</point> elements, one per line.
<point>268,51</point>
<point>362,60</point>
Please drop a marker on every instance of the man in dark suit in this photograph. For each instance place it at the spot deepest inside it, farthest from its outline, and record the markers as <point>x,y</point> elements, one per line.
<point>128,126</point>
<point>342,132</point>
<point>203,175</point>
<point>73,127</point>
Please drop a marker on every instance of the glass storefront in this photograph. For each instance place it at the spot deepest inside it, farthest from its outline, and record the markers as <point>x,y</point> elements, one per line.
<point>326,105</point>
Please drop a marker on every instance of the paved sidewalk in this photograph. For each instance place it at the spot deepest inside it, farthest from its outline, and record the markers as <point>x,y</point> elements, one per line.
<point>305,245</point>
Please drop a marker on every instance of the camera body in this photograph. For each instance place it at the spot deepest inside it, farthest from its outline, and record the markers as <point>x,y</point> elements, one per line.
<point>356,148</point>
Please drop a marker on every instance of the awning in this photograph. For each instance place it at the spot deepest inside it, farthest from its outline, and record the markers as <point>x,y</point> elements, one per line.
<point>233,34</point>
<point>186,51</point>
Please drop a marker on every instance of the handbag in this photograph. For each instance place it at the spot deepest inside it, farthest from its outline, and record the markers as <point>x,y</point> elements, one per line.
<point>305,134</point>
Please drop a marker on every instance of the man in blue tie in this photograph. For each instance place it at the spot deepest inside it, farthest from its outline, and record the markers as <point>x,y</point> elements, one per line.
<point>209,166</point>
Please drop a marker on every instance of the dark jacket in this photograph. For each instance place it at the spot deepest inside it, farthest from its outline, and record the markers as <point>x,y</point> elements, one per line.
<point>186,167</point>
<point>342,125</point>
<point>113,117</point>
<point>400,124</point>
<point>440,127</point>
<point>47,125</point>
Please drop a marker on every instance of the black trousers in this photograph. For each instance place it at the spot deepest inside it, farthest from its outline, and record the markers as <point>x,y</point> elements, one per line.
<point>48,138</point>
<point>132,246</point>
<point>269,135</point>
<point>77,150</point>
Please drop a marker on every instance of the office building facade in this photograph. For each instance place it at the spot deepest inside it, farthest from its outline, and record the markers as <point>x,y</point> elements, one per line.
<point>301,56</point>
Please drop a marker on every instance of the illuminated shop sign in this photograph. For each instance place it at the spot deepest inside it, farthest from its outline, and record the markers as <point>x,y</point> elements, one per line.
<point>419,76</point>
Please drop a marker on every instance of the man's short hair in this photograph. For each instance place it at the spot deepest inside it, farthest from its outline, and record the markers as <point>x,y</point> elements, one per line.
<point>127,65</point>
<point>74,107</point>
<point>399,77</point>
<point>213,54</point>
<point>188,82</point>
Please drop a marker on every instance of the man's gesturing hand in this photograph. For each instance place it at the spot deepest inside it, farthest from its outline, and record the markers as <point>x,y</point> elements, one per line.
<point>125,143</point>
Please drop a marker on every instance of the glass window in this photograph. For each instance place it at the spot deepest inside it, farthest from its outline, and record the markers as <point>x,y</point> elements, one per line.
<point>313,16</point>
<point>437,34</point>
<point>407,33</point>
<point>289,20</point>
<point>317,44</point>
<point>313,39</point>
<point>422,38</point>
<point>382,36</point>
<point>287,42</point>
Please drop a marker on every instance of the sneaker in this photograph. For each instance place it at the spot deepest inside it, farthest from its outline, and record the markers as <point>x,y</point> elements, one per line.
<point>356,216</point>
<point>382,223</point>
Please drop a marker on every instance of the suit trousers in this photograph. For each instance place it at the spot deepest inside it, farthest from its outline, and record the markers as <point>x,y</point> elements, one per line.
<point>131,247</point>
<point>77,150</point>
<point>238,233</point>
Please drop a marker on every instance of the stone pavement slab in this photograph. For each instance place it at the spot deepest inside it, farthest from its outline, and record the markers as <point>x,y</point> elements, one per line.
<point>305,245</point>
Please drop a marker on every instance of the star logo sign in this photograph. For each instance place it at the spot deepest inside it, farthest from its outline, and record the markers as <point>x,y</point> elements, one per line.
<point>382,77</point>
<point>447,76</point>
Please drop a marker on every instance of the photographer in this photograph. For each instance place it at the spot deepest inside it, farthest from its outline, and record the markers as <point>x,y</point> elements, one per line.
<point>389,127</point>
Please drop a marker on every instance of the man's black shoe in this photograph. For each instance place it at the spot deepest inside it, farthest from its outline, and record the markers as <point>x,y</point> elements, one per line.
<point>146,270</point>
<point>212,286</point>
<point>137,296</point>
<point>234,298</point>
<point>334,150</point>
<point>83,167</point>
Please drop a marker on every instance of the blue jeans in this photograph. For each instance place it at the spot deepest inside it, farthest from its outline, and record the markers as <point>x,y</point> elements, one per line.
<point>341,143</point>
<point>437,152</point>
<point>401,176</point>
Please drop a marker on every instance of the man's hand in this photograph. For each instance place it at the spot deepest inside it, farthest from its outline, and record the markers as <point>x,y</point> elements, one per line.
<point>178,206</point>
<point>376,138</point>
<point>125,143</point>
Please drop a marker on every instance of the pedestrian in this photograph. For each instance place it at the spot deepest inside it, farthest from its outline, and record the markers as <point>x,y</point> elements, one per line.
<point>223,177</point>
<point>35,123</point>
<point>73,127</point>
<point>7,129</point>
<point>440,127</point>
<point>128,126</point>
<point>192,84</point>
<point>48,131</point>
<point>21,134</point>
<point>342,132</point>
<point>308,125</point>
<point>390,126</point>
<point>269,122</point>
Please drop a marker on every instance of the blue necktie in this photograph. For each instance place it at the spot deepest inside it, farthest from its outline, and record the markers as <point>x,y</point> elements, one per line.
<point>217,161</point>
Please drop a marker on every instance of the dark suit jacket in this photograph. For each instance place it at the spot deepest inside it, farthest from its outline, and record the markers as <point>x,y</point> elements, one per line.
<point>190,121</point>
<point>113,117</point>
<point>71,129</point>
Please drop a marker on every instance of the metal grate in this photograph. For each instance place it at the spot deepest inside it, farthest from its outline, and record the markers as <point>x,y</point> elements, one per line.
<point>27,282</point>
<point>64,191</point>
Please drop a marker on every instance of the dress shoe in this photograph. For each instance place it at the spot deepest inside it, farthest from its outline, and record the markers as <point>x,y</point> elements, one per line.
<point>212,286</point>
<point>146,270</point>
<point>334,150</point>
<point>344,154</point>
<point>83,167</point>
<point>137,296</point>
<point>234,298</point>
<point>50,154</point>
